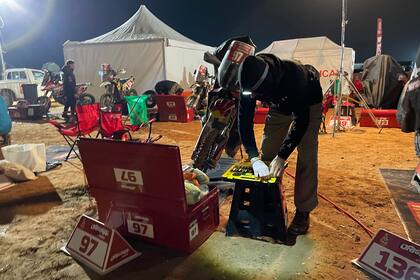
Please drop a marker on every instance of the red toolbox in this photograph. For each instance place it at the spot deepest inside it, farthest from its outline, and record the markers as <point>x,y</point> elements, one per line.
<point>260,115</point>
<point>386,118</point>
<point>172,108</point>
<point>139,189</point>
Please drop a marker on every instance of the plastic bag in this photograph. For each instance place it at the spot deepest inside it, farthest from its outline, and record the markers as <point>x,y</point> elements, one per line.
<point>192,192</point>
<point>31,156</point>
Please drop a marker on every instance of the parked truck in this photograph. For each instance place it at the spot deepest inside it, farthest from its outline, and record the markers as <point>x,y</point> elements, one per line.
<point>11,86</point>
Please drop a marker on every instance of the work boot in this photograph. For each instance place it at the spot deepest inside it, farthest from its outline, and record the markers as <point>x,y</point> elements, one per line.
<point>300,223</point>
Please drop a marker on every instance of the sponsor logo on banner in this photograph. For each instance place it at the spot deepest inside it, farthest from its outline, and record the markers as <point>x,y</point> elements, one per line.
<point>172,117</point>
<point>129,179</point>
<point>99,247</point>
<point>328,73</point>
<point>389,256</point>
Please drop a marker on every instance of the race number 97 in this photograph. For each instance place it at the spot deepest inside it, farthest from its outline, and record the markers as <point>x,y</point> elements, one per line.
<point>397,267</point>
<point>87,245</point>
<point>133,177</point>
<point>140,228</point>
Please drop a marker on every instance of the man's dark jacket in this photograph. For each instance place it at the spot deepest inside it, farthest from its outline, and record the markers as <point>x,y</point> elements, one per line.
<point>69,81</point>
<point>296,87</point>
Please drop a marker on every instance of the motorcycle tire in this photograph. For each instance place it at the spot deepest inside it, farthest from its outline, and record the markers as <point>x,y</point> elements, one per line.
<point>106,101</point>
<point>205,147</point>
<point>150,101</point>
<point>45,101</point>
<point>86,99</point>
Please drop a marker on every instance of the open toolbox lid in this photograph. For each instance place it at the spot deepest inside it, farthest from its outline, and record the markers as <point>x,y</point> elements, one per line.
<point>151,170</point>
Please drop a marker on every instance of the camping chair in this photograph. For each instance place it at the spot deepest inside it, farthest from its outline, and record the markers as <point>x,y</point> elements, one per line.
<point>113,126</point>
<point>138,114</point>
<point>87,121</point>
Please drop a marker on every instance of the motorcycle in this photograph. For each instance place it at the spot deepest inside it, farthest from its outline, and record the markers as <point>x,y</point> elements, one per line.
<point>203,84</point>
<point>52,87</point>
<point>219,128</point>
<point>115,88</point>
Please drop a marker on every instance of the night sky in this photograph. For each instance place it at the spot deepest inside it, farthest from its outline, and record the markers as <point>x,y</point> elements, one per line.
<point>34,36</point>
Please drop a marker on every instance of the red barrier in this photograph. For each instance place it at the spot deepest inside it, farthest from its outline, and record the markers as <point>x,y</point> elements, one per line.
<point>386,118</point>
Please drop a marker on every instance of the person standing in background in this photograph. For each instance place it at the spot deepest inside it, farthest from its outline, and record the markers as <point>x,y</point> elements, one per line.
<point>69,89</point>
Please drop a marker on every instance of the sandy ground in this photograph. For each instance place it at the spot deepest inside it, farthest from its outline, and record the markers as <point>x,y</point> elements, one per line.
<point>31,236</point>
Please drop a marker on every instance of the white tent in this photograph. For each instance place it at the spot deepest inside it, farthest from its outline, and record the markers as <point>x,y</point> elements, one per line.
<point>145,47</point>
<point>320,52</point>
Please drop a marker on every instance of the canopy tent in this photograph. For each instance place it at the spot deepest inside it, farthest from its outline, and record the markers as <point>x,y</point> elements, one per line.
<point>320,52</point>
<point>382,86</point>
<point>145,47</point>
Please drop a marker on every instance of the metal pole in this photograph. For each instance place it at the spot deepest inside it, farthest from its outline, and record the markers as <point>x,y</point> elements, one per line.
<point>340,88</point>
<point>2,63</point>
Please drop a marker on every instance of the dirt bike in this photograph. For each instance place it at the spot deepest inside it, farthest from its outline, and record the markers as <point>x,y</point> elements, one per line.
<point>115,88</point>
<point>52,87</point>
<point>203,84</point>
<point>219,131</point>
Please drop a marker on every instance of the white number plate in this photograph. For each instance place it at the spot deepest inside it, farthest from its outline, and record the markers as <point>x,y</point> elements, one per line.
<point>89,247</point>
<point>129,179</point>
<point>140,228</point>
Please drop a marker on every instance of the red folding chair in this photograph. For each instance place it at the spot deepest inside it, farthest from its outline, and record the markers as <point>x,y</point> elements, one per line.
<point>87,121</point>
<point>113,126</point>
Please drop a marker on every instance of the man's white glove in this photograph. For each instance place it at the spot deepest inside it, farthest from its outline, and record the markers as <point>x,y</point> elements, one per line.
<point>260,168</point>
<point>277,167</point>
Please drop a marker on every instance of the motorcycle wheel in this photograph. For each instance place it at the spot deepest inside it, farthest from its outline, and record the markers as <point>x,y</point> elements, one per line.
<point>86,99</point>
<point>204,148</point>
<point>106,101</point>
<point>45,101</point>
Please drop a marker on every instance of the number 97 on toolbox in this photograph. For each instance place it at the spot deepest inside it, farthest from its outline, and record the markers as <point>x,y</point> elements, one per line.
<point>139,225</point>
<point>391,257</point>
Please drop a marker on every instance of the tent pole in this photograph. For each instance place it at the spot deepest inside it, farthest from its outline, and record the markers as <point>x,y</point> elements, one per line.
<point>337,115</point>
<point>164,41</point>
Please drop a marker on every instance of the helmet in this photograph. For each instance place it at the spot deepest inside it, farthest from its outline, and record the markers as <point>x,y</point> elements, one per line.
<point>228,69</point>
<point>254,76</point>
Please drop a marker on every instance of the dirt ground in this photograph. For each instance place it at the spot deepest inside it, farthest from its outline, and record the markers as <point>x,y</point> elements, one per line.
<point>31,234</point>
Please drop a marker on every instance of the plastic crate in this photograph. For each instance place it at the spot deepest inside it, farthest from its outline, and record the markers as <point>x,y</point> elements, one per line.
<point>152,206</point>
